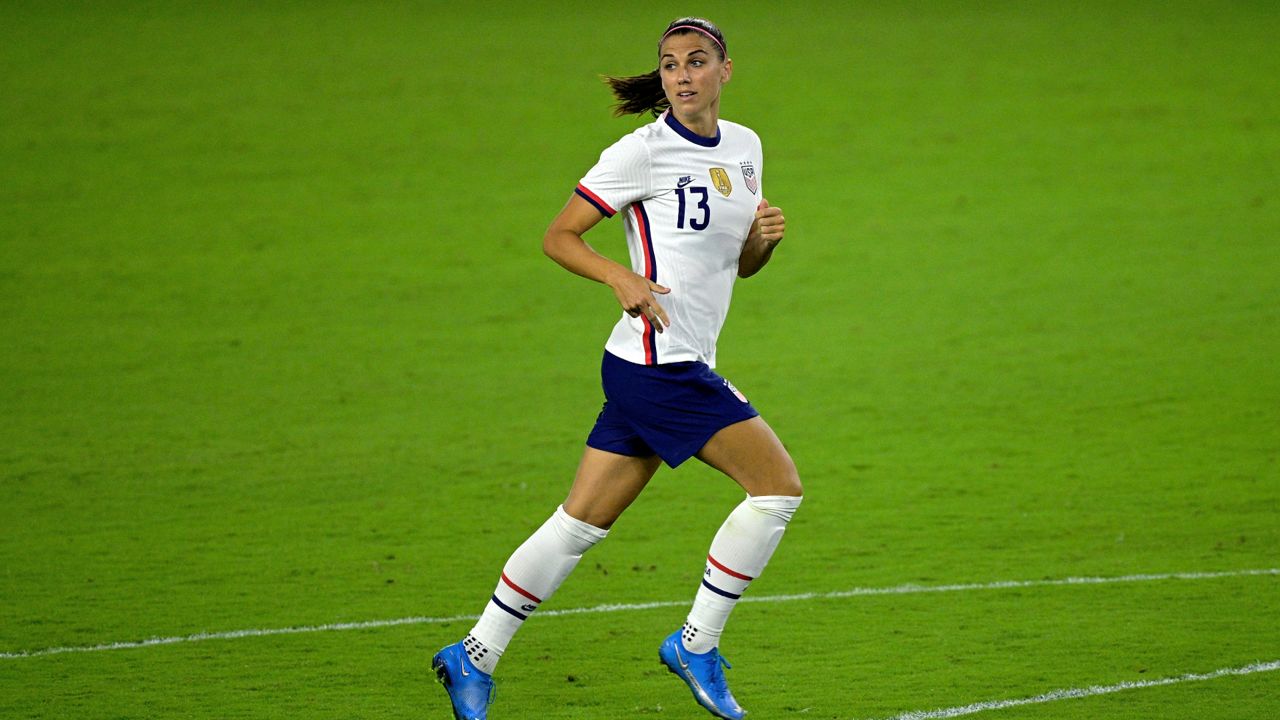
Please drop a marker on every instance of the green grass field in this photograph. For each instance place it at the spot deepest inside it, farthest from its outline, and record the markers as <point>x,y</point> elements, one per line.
<point>280,349</point>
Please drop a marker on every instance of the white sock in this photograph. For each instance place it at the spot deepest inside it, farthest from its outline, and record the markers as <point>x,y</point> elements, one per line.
<point>739,552</point>
<point>530,576</point>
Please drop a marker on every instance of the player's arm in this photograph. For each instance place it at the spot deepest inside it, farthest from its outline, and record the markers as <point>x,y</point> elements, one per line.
<point>564,244</point>
<point>766,232</point>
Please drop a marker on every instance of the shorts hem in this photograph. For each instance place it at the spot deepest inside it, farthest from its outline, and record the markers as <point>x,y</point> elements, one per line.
<point>693,448</point>
<point>620,451</point>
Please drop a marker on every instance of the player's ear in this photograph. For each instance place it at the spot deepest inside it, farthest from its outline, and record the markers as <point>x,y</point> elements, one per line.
<point>726,71</point>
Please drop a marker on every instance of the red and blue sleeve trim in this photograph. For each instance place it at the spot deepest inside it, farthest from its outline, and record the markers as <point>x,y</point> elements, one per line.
<point>594,199</point>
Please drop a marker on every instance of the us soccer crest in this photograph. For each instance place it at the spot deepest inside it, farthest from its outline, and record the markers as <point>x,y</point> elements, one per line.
<point>749,176</point>
<point>720,179</point>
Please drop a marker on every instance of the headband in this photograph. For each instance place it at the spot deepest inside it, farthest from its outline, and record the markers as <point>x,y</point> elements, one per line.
<point>693,27</point>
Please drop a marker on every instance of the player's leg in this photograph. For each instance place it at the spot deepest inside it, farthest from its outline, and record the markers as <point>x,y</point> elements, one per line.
<point>751,454</point>
<point>605,485</point>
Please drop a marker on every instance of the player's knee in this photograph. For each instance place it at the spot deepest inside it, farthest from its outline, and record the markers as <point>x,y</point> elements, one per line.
<point>595,514</point>
<point>789,477</point>
<point>790,483</point>
<point>783,479</point>
<point>782,507</point>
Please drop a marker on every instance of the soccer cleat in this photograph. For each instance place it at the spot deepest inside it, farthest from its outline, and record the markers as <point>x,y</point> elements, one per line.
<point>704,675</point>
<point>470,690</point>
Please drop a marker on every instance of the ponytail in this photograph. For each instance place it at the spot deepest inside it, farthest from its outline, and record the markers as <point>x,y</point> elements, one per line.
<point>638,94</point>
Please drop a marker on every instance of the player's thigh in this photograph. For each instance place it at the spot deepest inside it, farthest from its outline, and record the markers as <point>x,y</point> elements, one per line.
<point>606,484</point>
<point>751,453</point>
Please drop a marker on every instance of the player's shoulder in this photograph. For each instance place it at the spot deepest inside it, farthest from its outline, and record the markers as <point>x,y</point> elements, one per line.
<point>630,148</point>
<point>649,133</point>
<point>737,132</point>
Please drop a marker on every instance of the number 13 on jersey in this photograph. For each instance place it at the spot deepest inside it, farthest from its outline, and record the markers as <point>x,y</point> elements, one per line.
<point>695,223</point>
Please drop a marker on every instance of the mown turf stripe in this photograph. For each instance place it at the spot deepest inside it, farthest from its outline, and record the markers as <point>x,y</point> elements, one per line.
<point>1092,690</point>
<point>626,607</point>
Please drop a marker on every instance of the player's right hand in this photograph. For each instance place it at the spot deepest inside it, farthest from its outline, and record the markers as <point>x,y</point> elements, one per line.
<point>635,294</point>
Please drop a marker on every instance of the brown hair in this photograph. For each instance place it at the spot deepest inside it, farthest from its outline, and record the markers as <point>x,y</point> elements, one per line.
<point>638,94</point>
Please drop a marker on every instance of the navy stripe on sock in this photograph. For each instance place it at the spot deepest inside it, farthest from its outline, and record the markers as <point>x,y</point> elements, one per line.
<point>718,591</point>
<point>511,610</point>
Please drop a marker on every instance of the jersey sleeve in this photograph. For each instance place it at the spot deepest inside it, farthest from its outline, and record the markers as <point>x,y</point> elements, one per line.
<point>621,176</point>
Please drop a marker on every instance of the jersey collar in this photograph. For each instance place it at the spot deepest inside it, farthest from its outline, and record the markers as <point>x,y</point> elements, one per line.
<point>690,135</point>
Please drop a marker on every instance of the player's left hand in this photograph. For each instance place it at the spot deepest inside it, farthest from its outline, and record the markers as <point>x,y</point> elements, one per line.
<point>769,225</point>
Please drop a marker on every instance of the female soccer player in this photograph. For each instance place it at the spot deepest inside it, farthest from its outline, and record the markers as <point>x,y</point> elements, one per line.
<point>688,187</point>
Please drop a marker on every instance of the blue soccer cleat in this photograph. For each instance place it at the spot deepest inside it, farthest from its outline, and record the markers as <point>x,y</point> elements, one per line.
<point>470,690</point>
<point>704,676</point>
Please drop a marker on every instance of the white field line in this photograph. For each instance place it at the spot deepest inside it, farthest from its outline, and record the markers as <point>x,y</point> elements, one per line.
<point>1069,693</point>
<point>627,607</point>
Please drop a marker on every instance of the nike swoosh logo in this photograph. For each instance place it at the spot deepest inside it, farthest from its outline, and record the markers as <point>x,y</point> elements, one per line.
<point>680,659</point>
<point>464,670</point>
<point>683,182</point>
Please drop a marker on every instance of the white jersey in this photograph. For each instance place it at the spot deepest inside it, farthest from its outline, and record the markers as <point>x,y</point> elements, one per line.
<point>689,202</point>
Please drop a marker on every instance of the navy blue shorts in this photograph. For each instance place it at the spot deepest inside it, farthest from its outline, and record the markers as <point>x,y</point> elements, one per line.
<point>669,410</point>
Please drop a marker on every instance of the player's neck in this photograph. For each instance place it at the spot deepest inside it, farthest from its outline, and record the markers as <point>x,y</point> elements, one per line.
<point>705,123</point>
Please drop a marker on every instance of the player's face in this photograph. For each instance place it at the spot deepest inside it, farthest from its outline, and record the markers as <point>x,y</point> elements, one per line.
<point>692,74</point>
